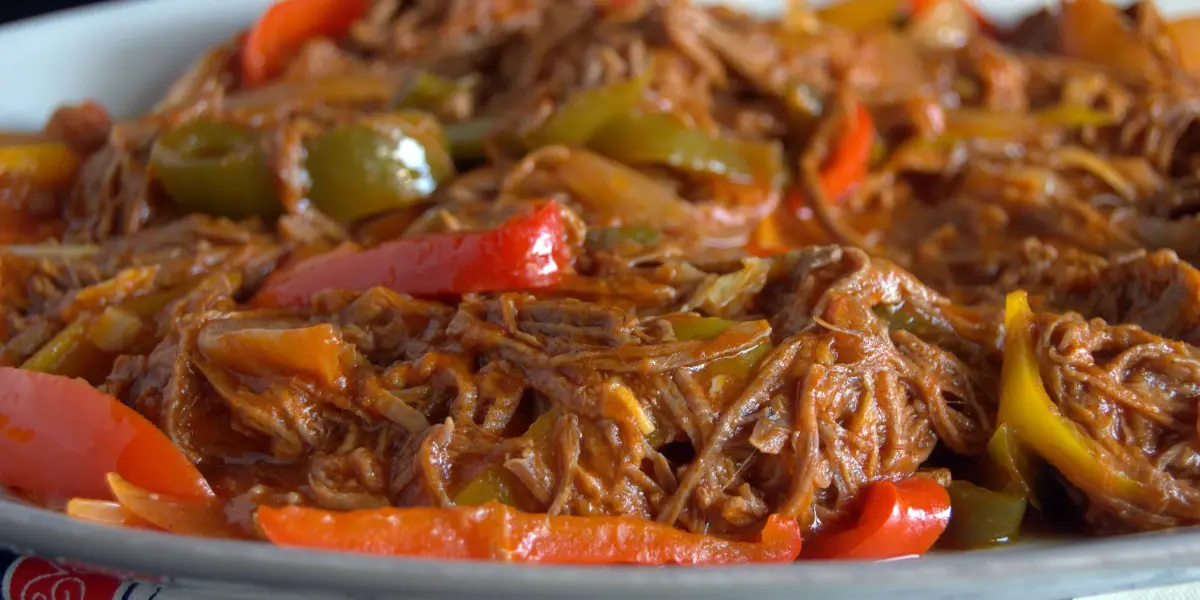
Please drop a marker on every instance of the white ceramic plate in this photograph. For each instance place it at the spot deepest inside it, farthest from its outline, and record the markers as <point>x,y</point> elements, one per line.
<point>124,54</point>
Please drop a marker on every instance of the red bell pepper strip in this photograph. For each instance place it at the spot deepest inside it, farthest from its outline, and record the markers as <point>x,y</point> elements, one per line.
<point>985,25</point>
<point>847,163</point>
<point>60,437</point>
<point>498,532</point>
<point>527,252</point>
<point>284,28</point>
<point>897,520</point>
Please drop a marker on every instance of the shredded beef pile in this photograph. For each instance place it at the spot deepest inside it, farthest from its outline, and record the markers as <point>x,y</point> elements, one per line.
<point>869,351</point>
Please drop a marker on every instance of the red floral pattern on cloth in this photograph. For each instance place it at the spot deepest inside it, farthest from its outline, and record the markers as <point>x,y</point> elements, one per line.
<point>33,578</point>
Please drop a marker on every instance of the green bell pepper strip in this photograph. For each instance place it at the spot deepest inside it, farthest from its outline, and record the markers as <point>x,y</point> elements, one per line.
<point>216,168</point>
<point>586,112</point>
<point>660,139</point>
<point>466,139</point>
<point>735,371</point>
<point>497,483</point>
<point>379,164</point>
<point>980,517</point>
<point>608,238</point>
<point>427,91</point>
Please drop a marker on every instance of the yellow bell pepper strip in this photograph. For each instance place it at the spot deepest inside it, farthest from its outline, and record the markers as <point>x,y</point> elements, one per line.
<point>286,26</point>
<point>898,519</point>
<point>217,168</point>
<point>980,517</point>
<point>662,140</point>
<point>45,164</point>
<point>362,169</point>
<point>994,124</point>
<point>497,532</point>
<point>860,15</point>
<point>1032,417</point>
<point>585,112</point>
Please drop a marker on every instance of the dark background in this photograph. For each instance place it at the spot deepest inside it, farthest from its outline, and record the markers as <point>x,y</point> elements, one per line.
<point>20,9</point>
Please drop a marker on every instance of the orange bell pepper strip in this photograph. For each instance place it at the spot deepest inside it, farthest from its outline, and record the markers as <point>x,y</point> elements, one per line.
<point>526,252</point>
<point>286,26</point>
<point>1186,35</point>
<point>60,437</point>
<point>497,532</point>
<point>45,164</point>
<point>898,519</point>
<point>1096,31</point>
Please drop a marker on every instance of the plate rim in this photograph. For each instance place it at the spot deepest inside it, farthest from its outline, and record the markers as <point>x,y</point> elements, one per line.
<point>1160,558</point>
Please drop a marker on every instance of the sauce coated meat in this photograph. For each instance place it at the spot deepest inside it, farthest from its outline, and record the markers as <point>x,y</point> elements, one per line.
<point>504,274</point>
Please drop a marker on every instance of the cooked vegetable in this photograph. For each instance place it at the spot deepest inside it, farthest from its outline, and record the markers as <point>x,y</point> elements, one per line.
<point>980,517</point>
<point>71,353</point>
<point>660,139</point>
<point>617,281</point>
<point>466,139</point>
<point>104,512</point>
<point>1095,31</point>
<point>497,484</point>
<point>1184,32</point>
<point>188,515</point>
<point>919,8</point>
<point>857,15</point>
<point>44,163</point>
<point>896,519</point>
<point>527,252</point>
<point>585,113</point>
<point>358,170</point>
<point>613,237</point>
<point>494,531</point>
<point>217,168</point>
<point>286,26</point>
<point>1033,418</point>
<point>60,437</point>
<point>619,194</point>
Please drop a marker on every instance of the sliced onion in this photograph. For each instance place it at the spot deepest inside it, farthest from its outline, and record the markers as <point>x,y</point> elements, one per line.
<point>1074,156</point>
<point>104,512</point>
<point>944,24</point>
<point>115,330</point>
<point>199,517</point>
<point>623,195</point>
